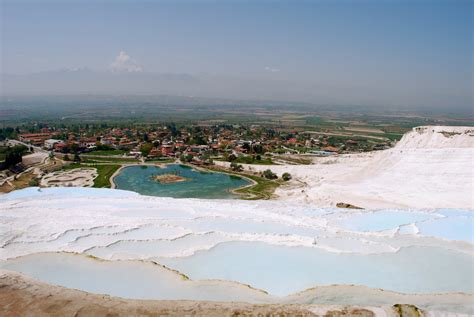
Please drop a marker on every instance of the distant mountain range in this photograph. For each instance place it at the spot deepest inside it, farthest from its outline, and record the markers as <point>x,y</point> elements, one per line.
<point>207,87</point>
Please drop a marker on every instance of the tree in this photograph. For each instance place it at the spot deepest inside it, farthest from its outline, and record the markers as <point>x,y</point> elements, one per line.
<point>186,158</point>
<point>232,158</point>
<point>13,155</point>
<point>258,148</point>
<point>146,148</point>
<point>77,158</point>
<point>268,174</point>
<point>286,176</point>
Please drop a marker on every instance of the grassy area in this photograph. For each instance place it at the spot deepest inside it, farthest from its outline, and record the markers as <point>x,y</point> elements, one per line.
<point>295,160</point>
<point>108,152</point>
<point>105,173</point>
<point>95,159</point>
<point>250,160</point>
<point>161,160</point>
<point>263,189</point>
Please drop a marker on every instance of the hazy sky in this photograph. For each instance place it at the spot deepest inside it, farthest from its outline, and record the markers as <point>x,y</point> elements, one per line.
<point>382,52</point>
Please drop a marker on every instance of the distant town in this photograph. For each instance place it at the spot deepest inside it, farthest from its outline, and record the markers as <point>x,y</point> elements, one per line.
<point>49,148</point>
<point>251,143</point>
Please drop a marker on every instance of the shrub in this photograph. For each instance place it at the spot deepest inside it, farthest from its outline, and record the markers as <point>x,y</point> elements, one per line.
<point>77,158</point>
<point>269,174</point>
<point>286,176</point>
<point>236,167</point>
<point>34,182</point>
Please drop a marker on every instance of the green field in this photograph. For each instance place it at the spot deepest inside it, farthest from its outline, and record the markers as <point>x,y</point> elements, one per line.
<point>263,189</point>
<point>95,159</point>
<point>105,173</point>
<point>108,152</point>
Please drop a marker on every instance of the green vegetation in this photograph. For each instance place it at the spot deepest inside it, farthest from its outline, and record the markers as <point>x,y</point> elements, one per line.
<point>257,159</point>
<point>268,174</point>
<point>104,172</point>
<point>236,167</point>
<point>313,120</point>
<point>286,176</point>
<point>34,182</point>
<point>247,159</point>
<point>3,153</point>
<point>186,158</point>
<point>295,160</point>
<point>72,166</point>
<point>95,159</point>
<point>146,148</point>
<point>108,152</point>
<point>163,160</point>
<point>263,189</point>
<point>12,155</point>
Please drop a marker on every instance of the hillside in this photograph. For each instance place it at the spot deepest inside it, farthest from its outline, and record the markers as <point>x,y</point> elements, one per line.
<point>430,167</point>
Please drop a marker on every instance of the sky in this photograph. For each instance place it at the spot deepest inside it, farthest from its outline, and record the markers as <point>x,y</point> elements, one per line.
<point>342,52</point>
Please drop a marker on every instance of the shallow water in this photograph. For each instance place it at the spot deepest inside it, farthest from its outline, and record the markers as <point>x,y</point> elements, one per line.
<point>450,228</point>
<point>283,270</point>
<point>199,184</point>
<point>135,279</point>
<point>381,220</point>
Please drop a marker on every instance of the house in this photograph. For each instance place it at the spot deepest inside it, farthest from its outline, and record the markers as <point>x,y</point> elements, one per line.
<point>330,149</point>
<point>50,143</point>
<point>167,150</point>
<point>154,153</point>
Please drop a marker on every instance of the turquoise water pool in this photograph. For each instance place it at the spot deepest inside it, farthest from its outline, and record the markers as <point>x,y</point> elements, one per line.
<point>282,270</point>
<point>199,184</point>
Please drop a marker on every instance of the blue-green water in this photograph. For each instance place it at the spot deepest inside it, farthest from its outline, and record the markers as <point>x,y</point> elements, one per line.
<point>199,184</point>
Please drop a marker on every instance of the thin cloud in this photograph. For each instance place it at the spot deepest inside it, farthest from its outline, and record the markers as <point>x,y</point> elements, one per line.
<point>272,69</point>
<point>124,63</point>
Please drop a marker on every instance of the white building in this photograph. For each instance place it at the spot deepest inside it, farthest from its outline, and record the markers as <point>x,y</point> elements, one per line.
<point>49,144</point>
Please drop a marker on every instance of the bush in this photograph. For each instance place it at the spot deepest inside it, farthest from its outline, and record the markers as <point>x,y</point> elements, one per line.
<point>186,158</point>
<point>236,167</point>
<point>286,176</point>
<point>77,158</point>
<point>268,174</point>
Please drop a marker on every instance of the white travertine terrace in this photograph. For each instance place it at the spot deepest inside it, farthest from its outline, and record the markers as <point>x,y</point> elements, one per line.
<point>420,191</point>
<point>430,167</point>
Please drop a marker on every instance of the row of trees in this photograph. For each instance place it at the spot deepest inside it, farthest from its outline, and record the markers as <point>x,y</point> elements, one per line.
<point>268,174</point>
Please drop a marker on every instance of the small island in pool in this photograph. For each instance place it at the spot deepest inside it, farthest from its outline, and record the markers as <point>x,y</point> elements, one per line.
<point>169,178</point>
<point>178,181</point>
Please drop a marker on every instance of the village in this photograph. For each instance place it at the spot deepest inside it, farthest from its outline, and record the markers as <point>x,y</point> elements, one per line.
<point>195,141</point>
<point>33,155</point>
